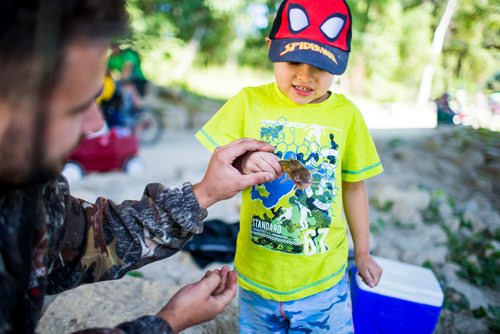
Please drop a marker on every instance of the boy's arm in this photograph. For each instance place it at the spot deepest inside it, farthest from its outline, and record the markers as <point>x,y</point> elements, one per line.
<point>356,209</point>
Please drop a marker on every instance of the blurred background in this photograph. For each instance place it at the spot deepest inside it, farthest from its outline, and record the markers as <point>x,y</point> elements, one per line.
<point>402,50</point>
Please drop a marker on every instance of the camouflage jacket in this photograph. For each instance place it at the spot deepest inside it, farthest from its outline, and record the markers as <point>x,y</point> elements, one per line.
<point>51,242</point>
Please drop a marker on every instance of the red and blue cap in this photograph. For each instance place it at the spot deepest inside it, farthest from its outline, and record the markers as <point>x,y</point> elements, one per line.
<point>314,32</point>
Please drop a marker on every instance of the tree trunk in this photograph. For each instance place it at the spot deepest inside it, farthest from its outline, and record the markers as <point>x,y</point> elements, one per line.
<point>190,53</point>
<point>424,91</point>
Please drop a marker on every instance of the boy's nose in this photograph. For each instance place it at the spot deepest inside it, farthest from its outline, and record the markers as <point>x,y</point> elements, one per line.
<point>305,73</point>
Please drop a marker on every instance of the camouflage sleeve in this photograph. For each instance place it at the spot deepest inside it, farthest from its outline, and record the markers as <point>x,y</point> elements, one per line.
<point>104,240</point>
<point>146,324</point>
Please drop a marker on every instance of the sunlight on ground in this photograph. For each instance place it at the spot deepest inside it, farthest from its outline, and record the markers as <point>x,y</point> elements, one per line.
<point>225,81</point>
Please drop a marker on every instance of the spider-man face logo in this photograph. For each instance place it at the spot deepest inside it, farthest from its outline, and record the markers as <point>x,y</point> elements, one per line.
<point>316,32</point>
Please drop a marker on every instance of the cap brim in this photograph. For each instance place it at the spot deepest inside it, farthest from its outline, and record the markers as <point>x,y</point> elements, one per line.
<point>325,57</point>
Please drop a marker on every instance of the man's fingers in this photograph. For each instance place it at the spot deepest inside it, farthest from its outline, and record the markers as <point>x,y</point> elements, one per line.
<point>255,178</point>
<point>232,279</point>
<point>239,147</point>
<point>223,279</point>
<point>209,282</point>
<point>229,291</point>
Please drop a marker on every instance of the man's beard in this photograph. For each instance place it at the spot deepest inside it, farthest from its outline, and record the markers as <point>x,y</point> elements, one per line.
<point>44,169</point>
<point>24,162</point>
<point>26,169</point>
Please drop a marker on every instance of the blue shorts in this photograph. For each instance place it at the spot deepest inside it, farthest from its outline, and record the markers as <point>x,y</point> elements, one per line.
<point>329,311</point>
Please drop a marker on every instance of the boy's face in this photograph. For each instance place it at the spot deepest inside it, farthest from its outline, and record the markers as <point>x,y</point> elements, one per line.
<point>302,83</point>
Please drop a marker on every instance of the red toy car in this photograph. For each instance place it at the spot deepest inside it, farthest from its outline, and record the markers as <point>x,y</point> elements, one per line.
<point>108,150</point>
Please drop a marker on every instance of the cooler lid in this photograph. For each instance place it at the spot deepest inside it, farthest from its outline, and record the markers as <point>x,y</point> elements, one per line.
<point>407,282</point>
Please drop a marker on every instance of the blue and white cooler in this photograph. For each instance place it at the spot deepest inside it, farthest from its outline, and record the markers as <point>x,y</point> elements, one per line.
<point>407,300</point>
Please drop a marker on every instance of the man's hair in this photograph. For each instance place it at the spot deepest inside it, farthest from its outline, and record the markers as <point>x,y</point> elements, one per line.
<point>33,34</point>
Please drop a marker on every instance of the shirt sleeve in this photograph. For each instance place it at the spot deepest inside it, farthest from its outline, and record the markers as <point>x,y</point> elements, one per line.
<point>104,240</point>
<point>226,125</point>
<point>360,159</point>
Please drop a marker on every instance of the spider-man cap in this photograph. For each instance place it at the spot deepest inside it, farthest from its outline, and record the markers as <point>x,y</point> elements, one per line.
<point>315,32</point>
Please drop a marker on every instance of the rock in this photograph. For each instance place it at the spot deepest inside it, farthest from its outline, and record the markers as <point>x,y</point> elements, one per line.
<point>480,213</point>
<point>407,203</point>
<point>451,169</point>
<point>411,245</point>
<point>468,324</point>
<point>453,223</point>
<point>477,297</point>
<point>176,117</point>
<point>472,159</point>
<point>185,270</point>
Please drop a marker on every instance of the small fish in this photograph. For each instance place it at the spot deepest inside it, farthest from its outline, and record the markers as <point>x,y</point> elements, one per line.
<point>296,172</point>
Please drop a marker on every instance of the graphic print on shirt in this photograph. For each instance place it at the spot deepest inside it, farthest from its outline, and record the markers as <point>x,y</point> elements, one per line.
<point>286,218</point>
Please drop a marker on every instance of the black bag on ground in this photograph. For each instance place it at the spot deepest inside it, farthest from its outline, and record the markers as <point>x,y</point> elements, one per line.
<point>217,243</point>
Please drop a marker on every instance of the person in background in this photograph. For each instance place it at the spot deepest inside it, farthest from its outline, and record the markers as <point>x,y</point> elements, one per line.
<point>292,248</point>
<point>124,67</point>
<point>52,66</point>
<point>445,114</point>
<point>124,64</point>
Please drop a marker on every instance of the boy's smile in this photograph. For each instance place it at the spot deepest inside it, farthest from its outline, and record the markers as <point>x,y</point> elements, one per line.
<point>304,91</point>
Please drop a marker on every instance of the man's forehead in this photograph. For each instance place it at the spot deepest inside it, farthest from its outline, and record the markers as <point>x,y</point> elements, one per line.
<point>82,58</point>
<point>82,72</point>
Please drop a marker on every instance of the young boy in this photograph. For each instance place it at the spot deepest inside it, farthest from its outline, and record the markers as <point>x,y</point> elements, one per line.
<point>292,247</point>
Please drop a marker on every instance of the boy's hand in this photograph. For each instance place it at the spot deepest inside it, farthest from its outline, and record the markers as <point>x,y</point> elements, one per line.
<point>368,269</point>
<point>258,161</point>
<point>223,180</point>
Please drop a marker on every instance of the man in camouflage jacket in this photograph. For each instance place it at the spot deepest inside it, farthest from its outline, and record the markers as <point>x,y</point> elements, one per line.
<point>52,64</point>
<point>73,242</point>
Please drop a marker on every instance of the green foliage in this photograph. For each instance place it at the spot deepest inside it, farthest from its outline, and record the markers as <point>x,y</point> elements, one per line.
<point>254,52</point>
<point>414,44</point>
<point>493,318</point>
<point>391,41</point>
<point>469,137</point>
<point>477,252</point>
<point>476,255</point>
<point>384,207</point>
<point>470,53</point>
<point>378,225</point>
<point>395,142</point>
<point>211,22</point>
<point>135,273</point>
<point>493,84</point>
<point>432,215</point>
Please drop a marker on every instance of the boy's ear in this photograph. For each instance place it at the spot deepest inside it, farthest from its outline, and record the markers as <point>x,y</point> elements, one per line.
<point>268,42</point>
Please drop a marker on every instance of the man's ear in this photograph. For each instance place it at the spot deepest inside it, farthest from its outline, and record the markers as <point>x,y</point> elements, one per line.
<point>268,42</point>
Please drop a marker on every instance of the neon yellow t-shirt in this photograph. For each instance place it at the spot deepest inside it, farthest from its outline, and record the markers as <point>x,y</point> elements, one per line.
<point>292,243</point>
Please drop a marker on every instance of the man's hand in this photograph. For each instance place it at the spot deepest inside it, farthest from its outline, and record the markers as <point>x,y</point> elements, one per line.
<point>200,301</point>
<point>222,180</point>
<point>368,269</point>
